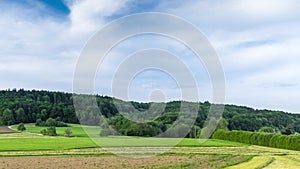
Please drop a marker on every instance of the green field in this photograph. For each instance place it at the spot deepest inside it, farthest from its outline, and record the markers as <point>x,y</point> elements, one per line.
<point>81,140</point>
<point>76,129</point>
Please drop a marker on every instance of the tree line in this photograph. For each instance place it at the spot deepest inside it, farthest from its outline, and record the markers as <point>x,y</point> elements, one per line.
<point>24,106</point>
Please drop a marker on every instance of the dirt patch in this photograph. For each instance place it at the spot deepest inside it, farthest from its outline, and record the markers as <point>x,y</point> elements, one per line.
<point>5,129</point>
<point>199,161</point>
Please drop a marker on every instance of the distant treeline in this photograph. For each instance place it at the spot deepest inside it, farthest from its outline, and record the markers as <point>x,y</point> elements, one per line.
<point>262,139</point>
<point>22,106</point>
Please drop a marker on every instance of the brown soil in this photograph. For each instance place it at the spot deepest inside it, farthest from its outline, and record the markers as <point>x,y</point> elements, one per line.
<point>5,129</point>
<point>201,161</point>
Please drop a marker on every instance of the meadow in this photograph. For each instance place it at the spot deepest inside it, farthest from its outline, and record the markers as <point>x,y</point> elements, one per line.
<point>25,141</point>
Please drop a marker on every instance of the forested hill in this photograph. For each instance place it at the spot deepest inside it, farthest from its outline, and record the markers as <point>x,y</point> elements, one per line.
<point>22,106</point>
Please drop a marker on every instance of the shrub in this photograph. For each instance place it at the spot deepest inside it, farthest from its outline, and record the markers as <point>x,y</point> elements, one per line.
<point>50,122</point>
<point>21,127</point>
<point>68,133</point>
<point>38,122</point>
<point>51,131</point>
<point>44,132</point>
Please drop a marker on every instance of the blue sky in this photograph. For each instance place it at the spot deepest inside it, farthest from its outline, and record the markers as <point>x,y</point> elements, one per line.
<point>257,42</point>
<point>57,6</point>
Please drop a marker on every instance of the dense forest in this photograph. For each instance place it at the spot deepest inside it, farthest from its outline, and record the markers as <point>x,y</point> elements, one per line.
<point>22,106</point>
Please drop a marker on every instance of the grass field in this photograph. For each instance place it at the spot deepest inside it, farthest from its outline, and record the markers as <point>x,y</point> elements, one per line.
<point>29,142</point>
<point>77,130</point>
<point>81,140</point>
<point>80,151</point>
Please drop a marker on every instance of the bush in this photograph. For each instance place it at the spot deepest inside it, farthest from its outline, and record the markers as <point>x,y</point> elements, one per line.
<point>68,133</point>
<point>51,131</point>
<point>44,132</point>
<point>21,127</point>
<point>50,122</point>
<point>38,122</point>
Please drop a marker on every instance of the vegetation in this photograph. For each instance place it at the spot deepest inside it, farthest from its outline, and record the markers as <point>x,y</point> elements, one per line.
<point>68,133</point>
<point>45,143</point>
<point>21,127</point>
<point>51,131</point>
<point>81,140</point>
<point>183,156</point>
<point>77,130</point>
<point>267,130</point>
<point>50,122</point>
<point>189,153</point>
<point>21,106</point>
<point>290,142</point>
<point>258,162</point>
<point>52,111</point>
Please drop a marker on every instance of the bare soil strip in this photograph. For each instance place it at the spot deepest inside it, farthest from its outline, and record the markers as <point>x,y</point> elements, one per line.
<point>5,129</point>
<point>201,161</point>
<point>251,150</point>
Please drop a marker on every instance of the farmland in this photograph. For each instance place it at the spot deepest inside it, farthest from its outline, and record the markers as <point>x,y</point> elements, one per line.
<point>4,130</point>
<point>175,161</point>
<point>34,141</point>
<point>31,149</point>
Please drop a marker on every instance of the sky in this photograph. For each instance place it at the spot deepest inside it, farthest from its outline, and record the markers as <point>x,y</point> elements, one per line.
<point>257,42</point>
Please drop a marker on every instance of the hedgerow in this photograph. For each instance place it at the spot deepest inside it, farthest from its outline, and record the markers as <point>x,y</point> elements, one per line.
<point>275,140</point>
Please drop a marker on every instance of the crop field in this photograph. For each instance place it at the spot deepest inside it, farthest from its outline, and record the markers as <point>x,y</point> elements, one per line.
<point>32,150</point>
<point>175,161</point>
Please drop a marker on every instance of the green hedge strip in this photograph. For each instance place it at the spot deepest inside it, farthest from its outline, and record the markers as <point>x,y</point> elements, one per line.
<point>291,142</point>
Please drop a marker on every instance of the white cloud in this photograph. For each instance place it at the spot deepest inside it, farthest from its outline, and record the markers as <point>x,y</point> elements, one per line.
<point>257,41</point>
<point>40,51</point>
<point>267,9</point>
<point>88,16</point>
<point>234,14</point>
